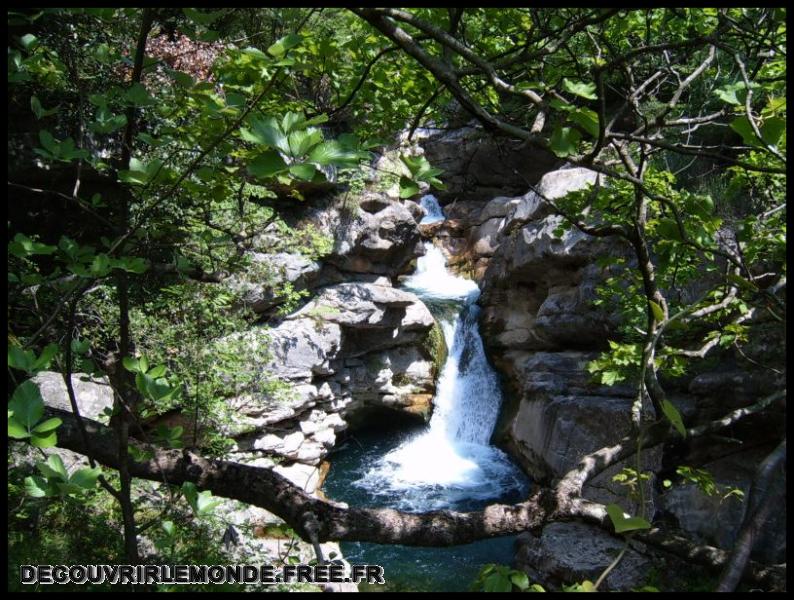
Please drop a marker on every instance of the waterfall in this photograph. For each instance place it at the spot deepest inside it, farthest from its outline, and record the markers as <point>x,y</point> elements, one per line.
<point>452,461</point>
<point>433,210</point>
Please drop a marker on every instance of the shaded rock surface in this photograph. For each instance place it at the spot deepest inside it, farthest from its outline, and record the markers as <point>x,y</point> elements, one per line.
<point>575,552</point>
<point>479,166</point>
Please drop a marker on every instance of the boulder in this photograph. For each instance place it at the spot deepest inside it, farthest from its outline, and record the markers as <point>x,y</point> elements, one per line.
<point>566,553</point>
<point>257,285</point>
<point>479,166</point>
<point>376,235</point>
<point>715,518</point>
<point>93,396</point>
<point>371,317</point>
<point>302,348</point>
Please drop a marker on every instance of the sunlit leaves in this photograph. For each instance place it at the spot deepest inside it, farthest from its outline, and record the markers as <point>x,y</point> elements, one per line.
<point>151,382</point>
<point>622,523</point>
<point>296,147</point>
<point>580,88</point>
<point>25,410</point>
<point>267,132</point>
<point>266,165</point>
<point>202,503</point>
<point>141,173</point>
<point>26,360</point>
<point>282,46</point>
<point>22,246</point>
<point>587,119</point>
<point>658,312</point>
<point>771,130</point>
<point>56,481</point>
<point>501,578</point>
<point>421,171</point>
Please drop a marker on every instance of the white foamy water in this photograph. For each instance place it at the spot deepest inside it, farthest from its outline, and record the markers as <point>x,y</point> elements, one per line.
<point>452,461</point>
<point>433,210</point>
<point>432,280</point>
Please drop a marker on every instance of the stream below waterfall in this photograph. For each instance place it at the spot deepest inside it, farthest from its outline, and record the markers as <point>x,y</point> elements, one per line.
<point>447,464</point>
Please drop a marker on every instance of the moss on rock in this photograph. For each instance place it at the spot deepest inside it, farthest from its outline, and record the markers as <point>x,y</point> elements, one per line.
<point>435,347</point>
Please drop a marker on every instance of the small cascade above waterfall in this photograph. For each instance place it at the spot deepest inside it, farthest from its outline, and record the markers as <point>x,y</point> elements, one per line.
<point>433,210</point>
<point>452,463</point>
<point>432,280</point>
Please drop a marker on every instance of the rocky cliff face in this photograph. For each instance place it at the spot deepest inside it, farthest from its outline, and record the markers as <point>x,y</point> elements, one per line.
<point>541,329</point>
<point>358,345</point>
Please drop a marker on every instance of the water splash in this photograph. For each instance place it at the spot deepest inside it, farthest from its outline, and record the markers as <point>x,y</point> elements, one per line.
<point>433,211</point>
<point>452,462</point>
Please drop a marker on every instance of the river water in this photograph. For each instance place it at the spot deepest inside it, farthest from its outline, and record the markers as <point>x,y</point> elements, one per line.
<point>447,464</point>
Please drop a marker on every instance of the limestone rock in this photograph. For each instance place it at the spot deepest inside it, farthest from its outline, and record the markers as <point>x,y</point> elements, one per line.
<point>93,395</point>
<point>257,284</point>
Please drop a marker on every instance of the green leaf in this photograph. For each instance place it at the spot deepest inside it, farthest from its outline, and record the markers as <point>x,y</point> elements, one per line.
<point>304,171</point>
<point>408,187</point>
<point>43,361</point>
<point>773,129</point>
<point>27,405</point>
<point>742,282</point>
<point>15,429</point>
<point>39,110</point>
<point>22,246</point>
<point>169,528</point>
<point>520,580</point>
<point>301,141</point>
<point>587,119</point>
<point>132,264</point>
<point>284,44</point>
<point>623,523</point>
<point>667,229</point>
<point>131,364</point>
<point>157,371</point>
<point>140,173</point>
<point>191,495</point>
<point>20,359</point>
<point>657,311</point>
<point>563,141</point>
<point>29,41</point>
<point>138,95</point>
<point>54,467</point>
<point>328,153</point>
<point>86,478</point>
<point>100,266</point>
<point>206,504</point>
<point>47,439</point>
<point>266,132</point>
<point>181,78</point>
<point>580,88</point>
<point>48,425</point>
<point>37,487</point>
<point>267,165</point>
<point>106,122</point>
<point>672,414</point>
